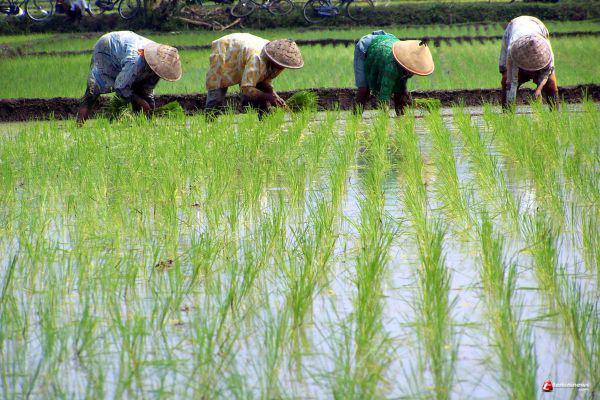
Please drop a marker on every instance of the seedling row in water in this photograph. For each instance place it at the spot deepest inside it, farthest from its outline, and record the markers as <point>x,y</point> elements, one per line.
<point>302,255</point>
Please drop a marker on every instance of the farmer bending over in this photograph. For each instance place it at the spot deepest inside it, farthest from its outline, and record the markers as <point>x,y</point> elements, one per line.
<point>383,64</point>
<point>526,55</point>
<point>131,66</point>
<point>251,62</point>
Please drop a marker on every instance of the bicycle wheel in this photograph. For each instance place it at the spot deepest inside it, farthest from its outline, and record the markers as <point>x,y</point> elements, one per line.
<point>243,8</point>
<point>129,8</point>
<point>280,7</point>
<point>39,10</point>
<point>359,10</point>
<point>312,11</point>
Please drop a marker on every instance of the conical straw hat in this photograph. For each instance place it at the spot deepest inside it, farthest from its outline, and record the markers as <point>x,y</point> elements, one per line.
<point>531,52</point>
<point>284,52</point>
<point>414,56</point>
<point>164,61</point>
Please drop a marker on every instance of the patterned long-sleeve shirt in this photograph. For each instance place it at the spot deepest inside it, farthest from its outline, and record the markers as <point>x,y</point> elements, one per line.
<point>117,65</point>
<point>384,75</point>
<point>516,29</point>
<point>238,59</point>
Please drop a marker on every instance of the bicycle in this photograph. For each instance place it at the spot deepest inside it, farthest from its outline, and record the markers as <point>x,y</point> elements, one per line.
<point>316,11</point>
<point>37,10</point>
<point>127,8</point>
<point>243,8</point>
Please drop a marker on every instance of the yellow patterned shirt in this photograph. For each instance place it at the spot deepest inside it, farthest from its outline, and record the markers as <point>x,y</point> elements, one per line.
<point>237,59</point>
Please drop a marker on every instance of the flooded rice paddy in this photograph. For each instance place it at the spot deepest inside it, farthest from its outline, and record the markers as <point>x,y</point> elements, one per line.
<point>453,255</point>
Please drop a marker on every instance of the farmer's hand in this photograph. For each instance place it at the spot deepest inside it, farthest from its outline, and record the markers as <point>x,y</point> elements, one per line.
<point>538,93</point>
<point>142,104</point>
<point>276,101</point>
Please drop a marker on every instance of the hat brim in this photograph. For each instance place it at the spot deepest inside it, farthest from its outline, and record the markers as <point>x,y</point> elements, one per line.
<point>413,57</point>
<point>274,59</point>
<point>169,70</point>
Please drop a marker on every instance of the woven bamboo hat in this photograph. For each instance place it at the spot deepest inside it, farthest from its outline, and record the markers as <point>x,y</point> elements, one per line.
<point>414,56</point>
<point>531,52</point>
<point>284,52</point>
<point>163,60</point>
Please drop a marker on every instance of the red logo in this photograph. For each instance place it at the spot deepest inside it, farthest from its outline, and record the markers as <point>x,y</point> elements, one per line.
<point>547,386</point>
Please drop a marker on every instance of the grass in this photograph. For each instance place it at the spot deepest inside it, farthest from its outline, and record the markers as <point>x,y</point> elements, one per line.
<point>300,255</point>
<point>78,41</point>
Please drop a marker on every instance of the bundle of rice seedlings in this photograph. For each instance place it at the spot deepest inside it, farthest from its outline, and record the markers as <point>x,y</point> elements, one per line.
<point>169,110</point>
<point>120,109</point>
<point>428,104</point>
<point>117,108</point>
<point>302,100</point>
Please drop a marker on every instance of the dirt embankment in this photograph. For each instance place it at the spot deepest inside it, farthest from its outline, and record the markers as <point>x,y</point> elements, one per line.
<point>12,110</point>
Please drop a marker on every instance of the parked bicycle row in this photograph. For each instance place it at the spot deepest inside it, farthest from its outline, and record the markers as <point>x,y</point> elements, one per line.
<point>40,10</point>
<point>313,11</point>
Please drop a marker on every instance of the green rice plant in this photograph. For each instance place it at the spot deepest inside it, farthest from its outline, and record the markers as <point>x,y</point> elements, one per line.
<point>489,176</point>
<point>117,108</point>
<point>578,314</point>
<point>448,190</point>
<point>581,321</point>
<point>302,100</point>
<point>430,105</point>
<point>542,239</point>
<point>307,262</point>
<point>512,343</point>
<point>375,237</point>
<point>536,154</point>
<point>433,302</point>
<point>581,150</point>
<point>590,241</point>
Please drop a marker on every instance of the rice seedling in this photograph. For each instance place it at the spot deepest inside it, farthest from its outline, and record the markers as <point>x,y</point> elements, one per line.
<point>489,177</point>
<point>433,303</point>
<point>512,342</point>
<point>375,236</point>
<point>302,100</point>
<point>447,187</point>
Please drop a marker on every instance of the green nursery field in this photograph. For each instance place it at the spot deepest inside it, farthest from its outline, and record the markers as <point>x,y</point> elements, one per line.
<point>301,256</point>
<point>458,65</point>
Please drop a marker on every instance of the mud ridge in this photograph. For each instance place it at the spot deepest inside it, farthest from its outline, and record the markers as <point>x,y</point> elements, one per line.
<point>15,110</point>
<point>436,41</point>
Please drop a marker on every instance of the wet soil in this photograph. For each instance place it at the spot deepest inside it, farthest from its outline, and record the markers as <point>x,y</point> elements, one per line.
<point>15,110</point>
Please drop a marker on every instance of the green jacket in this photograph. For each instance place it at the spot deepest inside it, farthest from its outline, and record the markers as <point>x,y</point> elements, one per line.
<point>384,75</point>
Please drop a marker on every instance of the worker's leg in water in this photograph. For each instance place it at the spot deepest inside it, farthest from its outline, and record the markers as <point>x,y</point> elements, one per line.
<point>256,103</point>
<point>87,102</point>
<point>360,80</point>
<point>550,92</point>
<point>215,101</point>
<point>504,86</point>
